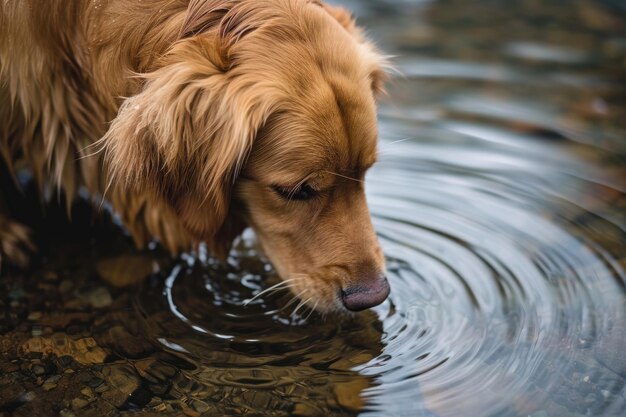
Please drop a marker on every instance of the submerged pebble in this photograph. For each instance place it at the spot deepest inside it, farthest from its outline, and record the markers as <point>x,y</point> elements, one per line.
<point>84,350</point>
<point>122,381</point>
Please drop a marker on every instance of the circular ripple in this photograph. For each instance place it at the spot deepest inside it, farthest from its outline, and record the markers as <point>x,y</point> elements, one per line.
<point>503,302</point>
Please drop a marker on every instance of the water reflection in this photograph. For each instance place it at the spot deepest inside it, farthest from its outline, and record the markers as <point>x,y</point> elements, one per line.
<point>284,357</point>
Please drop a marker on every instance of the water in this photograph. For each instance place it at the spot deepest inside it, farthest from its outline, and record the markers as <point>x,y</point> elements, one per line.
<point>500,202</point>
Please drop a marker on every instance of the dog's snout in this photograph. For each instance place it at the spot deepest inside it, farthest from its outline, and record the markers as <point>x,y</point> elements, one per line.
<point>365,294</point>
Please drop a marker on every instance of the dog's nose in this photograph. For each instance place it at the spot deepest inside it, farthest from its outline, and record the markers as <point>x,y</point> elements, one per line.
<point>365,294</point>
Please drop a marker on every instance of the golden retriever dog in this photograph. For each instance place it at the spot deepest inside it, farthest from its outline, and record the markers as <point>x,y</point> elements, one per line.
<point>198,118</point>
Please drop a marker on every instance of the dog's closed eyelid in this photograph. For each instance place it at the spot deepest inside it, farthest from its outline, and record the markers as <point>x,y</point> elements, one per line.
<point>302,192</point>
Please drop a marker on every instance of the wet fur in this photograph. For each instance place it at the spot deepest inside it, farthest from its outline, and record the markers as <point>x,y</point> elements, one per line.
<point>184,115</point>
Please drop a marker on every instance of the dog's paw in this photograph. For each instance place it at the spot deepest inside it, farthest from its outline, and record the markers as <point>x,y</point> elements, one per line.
<point>15,244</point>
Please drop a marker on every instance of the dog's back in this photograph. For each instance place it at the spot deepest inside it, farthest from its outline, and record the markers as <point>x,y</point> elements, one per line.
<point>48,106</point>
<point>57,95</point>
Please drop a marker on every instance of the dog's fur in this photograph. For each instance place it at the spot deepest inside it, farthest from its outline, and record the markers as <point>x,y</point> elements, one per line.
<point>196,118</point>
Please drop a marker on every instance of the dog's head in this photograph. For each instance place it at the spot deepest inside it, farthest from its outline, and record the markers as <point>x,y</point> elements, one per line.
<point>263,114</point>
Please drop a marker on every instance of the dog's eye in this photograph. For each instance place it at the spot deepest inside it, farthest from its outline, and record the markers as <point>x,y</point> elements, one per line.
<point>303,193</point>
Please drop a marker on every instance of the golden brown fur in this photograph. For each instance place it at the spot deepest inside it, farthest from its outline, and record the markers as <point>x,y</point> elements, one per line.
<point>192,117</point>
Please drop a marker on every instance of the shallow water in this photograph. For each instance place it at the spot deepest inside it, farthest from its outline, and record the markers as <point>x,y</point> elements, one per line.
<point>499,200</point>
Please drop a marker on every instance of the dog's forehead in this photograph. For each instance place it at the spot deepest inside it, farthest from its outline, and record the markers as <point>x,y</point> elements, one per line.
<point>358,140</point>
<point>334,128</point>
<point>333,131</point>
<point>342,124</point>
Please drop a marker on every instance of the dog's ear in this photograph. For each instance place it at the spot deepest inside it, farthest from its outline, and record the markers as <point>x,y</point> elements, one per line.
<point>378,75</point>
<point>184,137</point>
<point>344,18</point>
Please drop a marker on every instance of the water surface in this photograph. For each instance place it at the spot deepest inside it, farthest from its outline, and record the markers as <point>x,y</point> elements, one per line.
<point>499,200</point>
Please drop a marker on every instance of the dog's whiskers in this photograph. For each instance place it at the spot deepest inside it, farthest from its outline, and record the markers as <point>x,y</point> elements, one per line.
<point>398,141</point>
<point>384,150</point>
<point>274,288</point>
<point>294,298</point>
<point>312,310</point>
<point>267,291</point>
<point>300,305</point>
<point>385,146</point>
<point>343,176</point>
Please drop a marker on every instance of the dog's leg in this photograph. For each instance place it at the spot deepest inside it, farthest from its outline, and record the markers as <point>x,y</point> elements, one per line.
<point>15,243</point>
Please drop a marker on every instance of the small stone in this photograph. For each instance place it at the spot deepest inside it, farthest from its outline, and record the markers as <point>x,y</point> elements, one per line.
<point>121,377</point>
<point>54,379</point>
<point>121,341</point>
<point>51,383</point>
<point>66,413</point>
<point>123,381</point>
<point>85,351</point>
<point>99,298</point>
<point>125,270</point>
<point>36,331</point>
<point>160,407</point>
<point>29,396</point>
<point>34,316</point>
<point>39,370</point>
<point>87,392</point>
<point>78,403</point>
<point>47,386</point>
<point>586,378</point>
<point>200,406</point>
